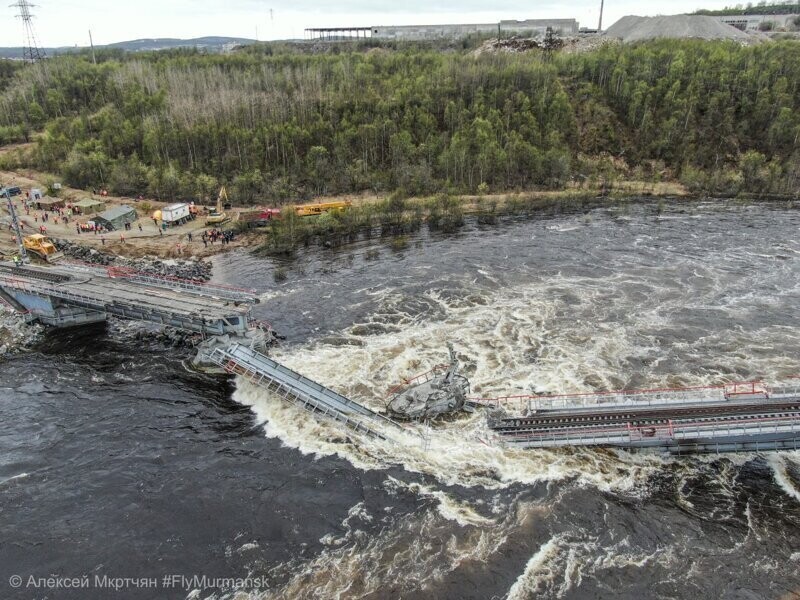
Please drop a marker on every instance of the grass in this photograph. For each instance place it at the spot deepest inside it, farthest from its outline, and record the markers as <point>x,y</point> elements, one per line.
<point>399,243</point>
<point>398,215</point>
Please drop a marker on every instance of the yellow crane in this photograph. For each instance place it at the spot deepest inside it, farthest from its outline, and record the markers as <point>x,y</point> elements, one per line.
<point>307,210</point>
<point>218,216</point>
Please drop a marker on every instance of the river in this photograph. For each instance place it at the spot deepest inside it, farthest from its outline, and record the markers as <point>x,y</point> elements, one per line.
<point>117,461</point>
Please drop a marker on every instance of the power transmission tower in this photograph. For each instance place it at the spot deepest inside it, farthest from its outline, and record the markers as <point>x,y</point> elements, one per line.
<point>23,255</point>
<point>31,51</point>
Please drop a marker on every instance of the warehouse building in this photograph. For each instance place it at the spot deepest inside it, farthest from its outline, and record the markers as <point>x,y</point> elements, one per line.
<point>753,22</point>
<point>528,27</point>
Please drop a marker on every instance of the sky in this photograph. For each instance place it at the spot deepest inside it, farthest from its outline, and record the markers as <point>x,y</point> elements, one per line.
<point>67,22</point>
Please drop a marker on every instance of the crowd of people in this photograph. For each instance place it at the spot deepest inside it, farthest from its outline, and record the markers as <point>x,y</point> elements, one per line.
<point>68,214</point>
<point>215,235</point>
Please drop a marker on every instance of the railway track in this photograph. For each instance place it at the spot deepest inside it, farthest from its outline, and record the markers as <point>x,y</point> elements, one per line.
<point>648,417</point>
<point>34,274</point>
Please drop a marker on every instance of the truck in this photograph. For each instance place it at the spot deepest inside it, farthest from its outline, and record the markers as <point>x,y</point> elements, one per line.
<point>176,214</point>
<point>259,217</point>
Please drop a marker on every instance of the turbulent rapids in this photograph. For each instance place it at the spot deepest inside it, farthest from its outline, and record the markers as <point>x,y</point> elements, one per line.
<point>114,439</point>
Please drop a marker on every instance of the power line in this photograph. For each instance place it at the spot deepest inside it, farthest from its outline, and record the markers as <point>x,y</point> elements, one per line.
<point>30,48</point>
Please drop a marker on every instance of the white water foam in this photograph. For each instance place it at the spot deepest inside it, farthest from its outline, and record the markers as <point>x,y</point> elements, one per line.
<point>455,454</point>
<point>14,478</point>
<point>511,340</point>
<point>782,477</point>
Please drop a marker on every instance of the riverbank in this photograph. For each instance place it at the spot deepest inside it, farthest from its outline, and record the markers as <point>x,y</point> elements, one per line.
<point>16,334</point>
<point>175,242</point>
<point>386,213</point>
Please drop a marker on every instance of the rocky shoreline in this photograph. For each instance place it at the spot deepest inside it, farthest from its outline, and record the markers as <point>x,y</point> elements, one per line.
<point>16,334</point>
<point>192,268</point>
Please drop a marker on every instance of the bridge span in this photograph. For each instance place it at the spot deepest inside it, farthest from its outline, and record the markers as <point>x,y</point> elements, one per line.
<point>74,294</point>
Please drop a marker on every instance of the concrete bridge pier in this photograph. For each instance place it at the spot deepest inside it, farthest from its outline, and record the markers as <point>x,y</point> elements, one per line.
<point>50,311</point>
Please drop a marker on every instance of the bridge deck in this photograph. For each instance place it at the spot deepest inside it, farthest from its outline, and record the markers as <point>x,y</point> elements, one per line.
<point>300,390</point>
<point>757,424</point>
<point>130,298</point>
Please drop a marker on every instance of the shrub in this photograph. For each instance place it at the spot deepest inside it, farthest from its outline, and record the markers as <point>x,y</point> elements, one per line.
<point>399,243</point>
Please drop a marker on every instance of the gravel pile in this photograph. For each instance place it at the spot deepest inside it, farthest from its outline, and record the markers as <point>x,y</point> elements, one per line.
<point>636,29</point>
<point>193,268</point>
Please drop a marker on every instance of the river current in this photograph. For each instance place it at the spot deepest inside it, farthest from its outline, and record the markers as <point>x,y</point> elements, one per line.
<point>115,460</point>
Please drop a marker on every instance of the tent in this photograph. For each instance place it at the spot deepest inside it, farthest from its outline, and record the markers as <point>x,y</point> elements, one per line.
<point>48,203</point>
<point>116,217</point>
<point>88,206</point>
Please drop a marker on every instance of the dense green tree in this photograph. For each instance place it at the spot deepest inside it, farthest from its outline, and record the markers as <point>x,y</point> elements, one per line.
<point>278,125</point>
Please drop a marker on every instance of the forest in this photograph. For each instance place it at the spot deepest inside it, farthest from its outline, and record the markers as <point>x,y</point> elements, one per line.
<point>278,124</point>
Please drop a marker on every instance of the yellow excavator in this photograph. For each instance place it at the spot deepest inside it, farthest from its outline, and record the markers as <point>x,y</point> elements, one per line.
<point>42,246</point>
<point>218,216</point>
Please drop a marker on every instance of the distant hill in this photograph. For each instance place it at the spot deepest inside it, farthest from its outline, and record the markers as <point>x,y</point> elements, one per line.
<point>209,43</point>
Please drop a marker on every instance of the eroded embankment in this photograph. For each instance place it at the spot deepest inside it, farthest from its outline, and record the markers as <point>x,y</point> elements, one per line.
<point>15,333</point>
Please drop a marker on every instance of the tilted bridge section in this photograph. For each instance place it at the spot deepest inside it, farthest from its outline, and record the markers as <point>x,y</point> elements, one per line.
<point>75,294</point>
<point>302,391</point>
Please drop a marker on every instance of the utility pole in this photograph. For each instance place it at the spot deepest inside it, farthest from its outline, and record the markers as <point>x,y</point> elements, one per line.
<point>15,224</point>
<point>600,23</point>
<point>30,49</point>
<point>91,43</point>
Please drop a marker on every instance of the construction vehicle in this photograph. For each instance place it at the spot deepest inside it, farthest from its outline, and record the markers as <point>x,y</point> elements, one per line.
<point>218,216</point>
<point>43,247</point>
<point>307,210</point>
<point>260,217</point>
<point>176,214</point>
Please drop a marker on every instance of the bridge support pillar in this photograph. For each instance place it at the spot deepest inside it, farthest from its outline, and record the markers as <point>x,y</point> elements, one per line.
<point>50,311</point>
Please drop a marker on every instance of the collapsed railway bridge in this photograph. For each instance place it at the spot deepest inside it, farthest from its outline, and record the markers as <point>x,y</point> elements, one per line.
<point>741,417</point>
<point>78,294</point>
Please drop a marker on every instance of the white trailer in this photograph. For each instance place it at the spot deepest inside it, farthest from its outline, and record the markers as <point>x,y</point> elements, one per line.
<point>176,214</point>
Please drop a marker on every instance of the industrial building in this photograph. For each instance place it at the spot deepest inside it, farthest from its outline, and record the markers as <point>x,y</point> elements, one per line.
<point>528,27</point>
<point>753,22</point>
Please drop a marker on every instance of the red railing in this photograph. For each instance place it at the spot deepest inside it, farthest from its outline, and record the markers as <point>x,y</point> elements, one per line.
<point>127,272</point>
<point>114,271</point>
<point>741,388</point>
